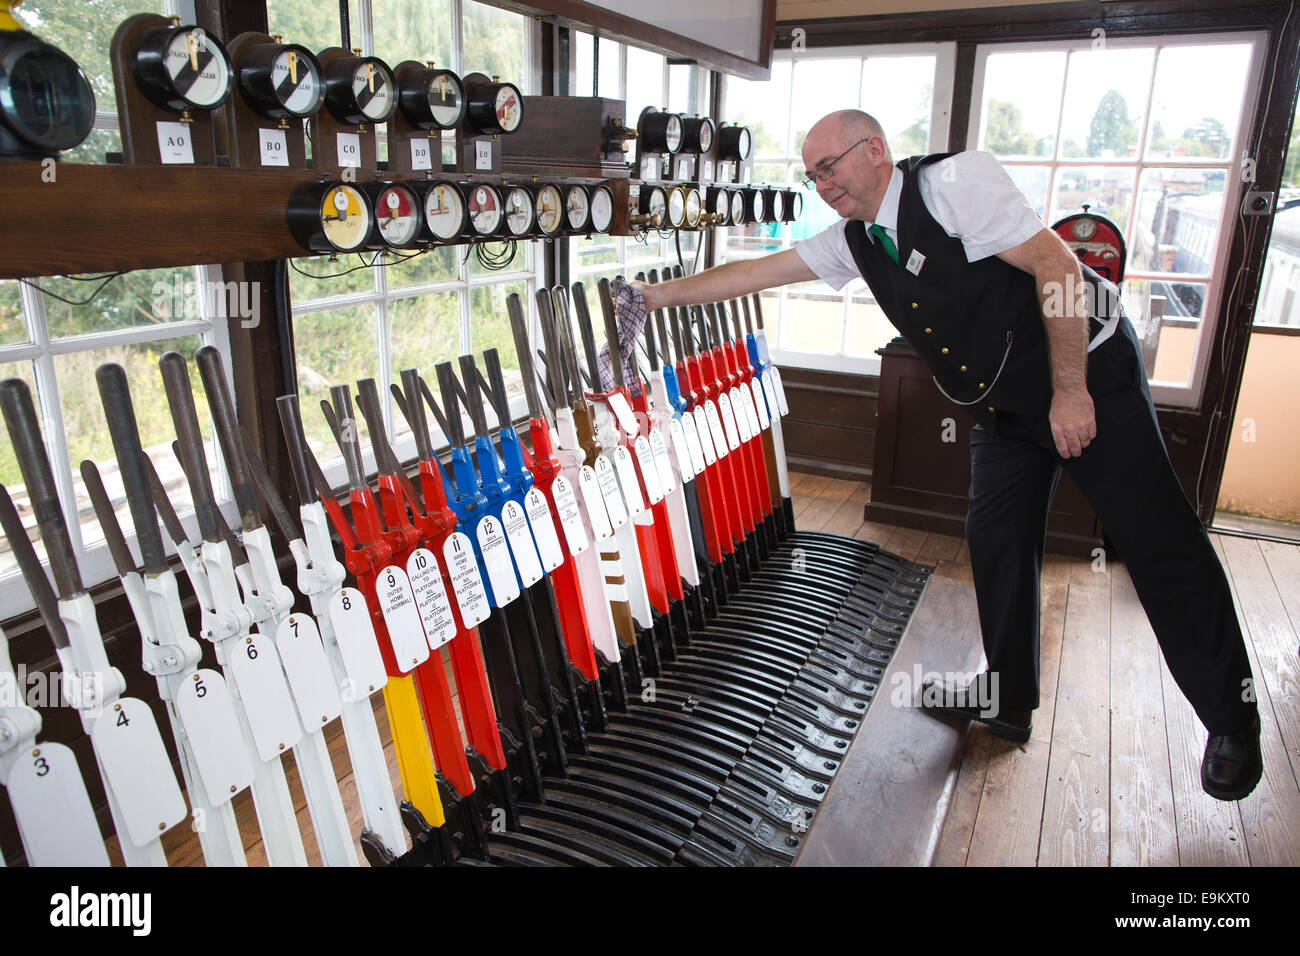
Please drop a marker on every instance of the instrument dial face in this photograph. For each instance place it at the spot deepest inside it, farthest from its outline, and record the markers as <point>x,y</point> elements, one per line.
<point>548,208</point>
<point>198,68</point>
<point>757,206</point>
<point>706,136</point>
<point>722,207</point>
<point>602,209</point>
<point>577,208</point>
<point>372,87</point>
<point>1084,229</point>
<point>485,210</point>
<point>509,107</point>
<point>345,217</point>
<point>673,133</point>
<point>677,207</point>
<point>446,99</point>
<point>694,206</point>
<point>777,204</point>
<point>745,142</point>
<point>796,205</point>
<point>399,215</point>
<point>738,208</point>
<point>44,96</point>
<point>444,211</point>
<point>297,82</point>
<point>519,211</point>
<point>655,203</point>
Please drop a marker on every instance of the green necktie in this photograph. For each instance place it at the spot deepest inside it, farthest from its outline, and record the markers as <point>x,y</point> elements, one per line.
<point>878,231</point>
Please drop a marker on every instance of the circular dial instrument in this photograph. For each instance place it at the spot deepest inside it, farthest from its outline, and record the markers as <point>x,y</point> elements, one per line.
<point>735,143</point>
<point>719,201</point>
<point>659,132</point>
<point>577,208</point>
<point>738,217</point>
<point>677,207</point>
<point>694,206</point>
<point>654,203</point>
<point>793,205</point>
<point>548,210</point>
<point>281,81</point>
<point>181,68</point>
<point>46,102</point>
<point>1084,228</point>
<point>345,217</point>
<point>520,211</point>
<point>697,135</point>
<point>775,205</point>
<point>754,205</point>
<point>360,89</point>
<point>602,209</point>
<point>397,211</point>
<point>445,211</point>
<point>432,98</point>
<point>492,106</point>
<point>486,210</point>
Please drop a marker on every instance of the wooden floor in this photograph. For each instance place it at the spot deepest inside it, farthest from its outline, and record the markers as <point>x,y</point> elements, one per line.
<point>1111,774</point>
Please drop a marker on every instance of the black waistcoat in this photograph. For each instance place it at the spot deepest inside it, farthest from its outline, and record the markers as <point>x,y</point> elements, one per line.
<point>965,319</point>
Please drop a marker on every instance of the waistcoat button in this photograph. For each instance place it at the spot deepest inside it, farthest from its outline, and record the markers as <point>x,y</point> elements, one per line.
<point>944,350</point>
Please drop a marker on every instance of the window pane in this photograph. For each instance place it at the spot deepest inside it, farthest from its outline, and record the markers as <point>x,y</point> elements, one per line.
<point>423,331</point>
<point>868,328</point>
<point>1106,190</point>
<point>413,30</point>
<point>1197,101</point>
<point>490,328</point>
<point>593,251</point>
<point>1171,340</point>
<point>821,87</point>
<point>771,305</point>
<point>500,254</point>
<point>1102,120</point>
<point>94,148</point>
<point>85,34</point>
<point>816,216</point>
<point>1032,181</point>
<point>320,277</point>
<point>87,436</point>
<point>11,477</point>
<point>146,297</point>
<point>899,92</point>
<point>763,106</point>
<point>13,328</point>
<point>814,319</point>
<point>645,82</point>
<point>433,265</point>
<point>337,347</point>
<point>494,42</point>
<point>316,26</point>
<point>1021,103</point>
<point>684,89</point>
<point>1177,220</point>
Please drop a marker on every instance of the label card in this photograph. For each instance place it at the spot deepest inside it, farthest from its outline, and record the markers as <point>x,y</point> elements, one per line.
<point>349,148</point>
<point>769,392</point>
<point>720,442</point>
<point>308,670</point>
<point>646,460</point>
<point>623,412</point>
<point>566,507</point>
<point>136,768</point>
<point>780,391</point>
<point>53,810</point>
<point>174,143</point>
<point>701,433</point>
<point>738,415</point>
<point>707,175</point>
<point>466,582</point>
<point>746,403</point>
<point>431,597</point>
<point>683,167</point>
<point>663,466</point>
<point>259,680</point>
<point>543,525</point>
<point>355,635</point>
<point>615,503</point>
<point>515,520</point>
<point>728,421</point>
<point>760,404</point>
<point>420,154</point>
<point>627,478</point>
<point>207,712</point>
<point>401,617</point>
<point>273,146</point>
<point>593,497</point>
<point>681,450</point>
<point>496,558</point>
<point>483,155</point>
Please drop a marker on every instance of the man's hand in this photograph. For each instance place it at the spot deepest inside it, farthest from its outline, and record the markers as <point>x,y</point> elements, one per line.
<point>648,292</point>
<point>1073,421</point>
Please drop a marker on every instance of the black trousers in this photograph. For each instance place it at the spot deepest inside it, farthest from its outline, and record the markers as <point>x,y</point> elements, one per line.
<point>1126,476</point>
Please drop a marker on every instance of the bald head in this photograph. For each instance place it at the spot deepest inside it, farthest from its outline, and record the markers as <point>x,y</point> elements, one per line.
<point>838,131</point>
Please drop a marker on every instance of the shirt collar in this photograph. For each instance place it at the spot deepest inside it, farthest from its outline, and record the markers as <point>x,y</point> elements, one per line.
<point>887,215</point>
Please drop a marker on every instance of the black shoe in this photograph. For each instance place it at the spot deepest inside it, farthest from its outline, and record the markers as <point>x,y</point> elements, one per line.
<point>1232,764</point>
<point>965,703</point>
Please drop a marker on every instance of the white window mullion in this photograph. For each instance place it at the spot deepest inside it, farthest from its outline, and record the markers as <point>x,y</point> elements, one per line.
<point>384,346</point>
<point>365,25</point>
<point>457,38</point>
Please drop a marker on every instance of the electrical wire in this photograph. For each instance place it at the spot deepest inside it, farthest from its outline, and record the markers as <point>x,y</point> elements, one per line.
<point>108,277</point>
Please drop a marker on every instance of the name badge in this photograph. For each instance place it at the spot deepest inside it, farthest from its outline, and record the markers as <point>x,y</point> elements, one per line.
<point>914,263</point>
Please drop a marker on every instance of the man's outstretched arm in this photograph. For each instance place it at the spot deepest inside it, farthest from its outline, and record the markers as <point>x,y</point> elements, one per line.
<point>728,281</point>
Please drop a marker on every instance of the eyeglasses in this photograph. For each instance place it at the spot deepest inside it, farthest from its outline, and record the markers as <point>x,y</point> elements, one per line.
<point>813,177</point>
